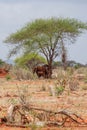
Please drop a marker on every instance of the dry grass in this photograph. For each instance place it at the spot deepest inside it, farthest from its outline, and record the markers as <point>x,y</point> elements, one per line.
<point>37,93</point>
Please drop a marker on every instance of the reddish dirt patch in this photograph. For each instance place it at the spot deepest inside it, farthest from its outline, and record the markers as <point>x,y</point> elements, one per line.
<point>3,73</point>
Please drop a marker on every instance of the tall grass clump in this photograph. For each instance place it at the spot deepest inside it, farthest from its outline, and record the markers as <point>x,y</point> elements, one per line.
<point>22,73</point>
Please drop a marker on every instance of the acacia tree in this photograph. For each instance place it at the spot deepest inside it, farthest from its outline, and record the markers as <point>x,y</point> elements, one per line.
<point>47,37</point>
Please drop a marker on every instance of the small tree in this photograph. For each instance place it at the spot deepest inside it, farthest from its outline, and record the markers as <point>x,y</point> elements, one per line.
<point>29,60</point>
<point>47,37</point>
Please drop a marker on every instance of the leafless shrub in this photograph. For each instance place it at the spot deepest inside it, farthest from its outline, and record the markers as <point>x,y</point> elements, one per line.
<point>23,94</point>
<point>22,74</point>
<point>73,84</point>
<point>59,73</point>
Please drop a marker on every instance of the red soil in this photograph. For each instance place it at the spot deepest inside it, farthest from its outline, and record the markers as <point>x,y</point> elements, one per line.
<point>3,72</point>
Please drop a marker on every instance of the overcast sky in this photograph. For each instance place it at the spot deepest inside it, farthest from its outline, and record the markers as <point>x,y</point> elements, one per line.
<point>14,14</point>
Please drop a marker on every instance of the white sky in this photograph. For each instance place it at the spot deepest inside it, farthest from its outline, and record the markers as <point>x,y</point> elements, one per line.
<point>14,14</point>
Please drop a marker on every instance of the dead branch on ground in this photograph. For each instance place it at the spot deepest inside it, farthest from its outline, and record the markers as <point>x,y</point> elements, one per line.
<point>51,117</point>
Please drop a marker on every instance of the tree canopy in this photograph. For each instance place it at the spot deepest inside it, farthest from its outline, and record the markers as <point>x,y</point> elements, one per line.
<point>29,60</point>
<point>47,37</point>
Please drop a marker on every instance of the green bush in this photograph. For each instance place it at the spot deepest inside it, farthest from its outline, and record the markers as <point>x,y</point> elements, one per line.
<point>8,77</point>
<point>59,90</point>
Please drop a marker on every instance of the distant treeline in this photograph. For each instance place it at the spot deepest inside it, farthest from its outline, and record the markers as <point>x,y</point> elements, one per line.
<point>69,64</point>
<point>55,63</point>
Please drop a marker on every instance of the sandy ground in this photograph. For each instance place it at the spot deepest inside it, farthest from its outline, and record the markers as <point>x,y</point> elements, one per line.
<point>37,93</point>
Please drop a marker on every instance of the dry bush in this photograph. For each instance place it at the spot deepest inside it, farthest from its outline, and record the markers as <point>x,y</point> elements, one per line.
<point>60,86</point>
<point>23,92</point>
<point>59,73</point>
<point>81,70</point>
<point>84,87</point>
<point>67,79</point>
<point>22,74</point>
<point>73,84</point>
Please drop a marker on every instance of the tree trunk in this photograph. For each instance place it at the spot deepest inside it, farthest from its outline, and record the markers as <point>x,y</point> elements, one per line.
<point>64,60</point>
<point>50,69</point>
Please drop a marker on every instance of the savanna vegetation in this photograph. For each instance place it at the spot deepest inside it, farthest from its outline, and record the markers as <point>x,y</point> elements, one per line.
<point>37,103</point>
<point>46,37</point>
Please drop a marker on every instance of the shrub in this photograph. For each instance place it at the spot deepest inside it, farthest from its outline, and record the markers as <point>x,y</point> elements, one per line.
<point>8,77</point>
<point>20,73</point>
<point>59,90</point>
<point>84,87</point>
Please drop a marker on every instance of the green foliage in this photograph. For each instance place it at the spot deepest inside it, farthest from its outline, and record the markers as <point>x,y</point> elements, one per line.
<point>77,66</point>
<point>8,77</point>
<point>30,60</point>
<point>46,36</point>
<point>1,62</point>
<point>57,63</point>
<point>59,90</point>
<point>45,28</point>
